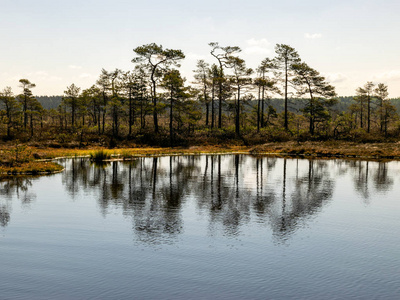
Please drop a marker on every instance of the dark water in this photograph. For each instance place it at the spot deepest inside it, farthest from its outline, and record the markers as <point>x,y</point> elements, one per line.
<point>203,227</point>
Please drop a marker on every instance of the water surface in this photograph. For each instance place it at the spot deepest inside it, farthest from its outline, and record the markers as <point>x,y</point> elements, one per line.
<point>203,227</point>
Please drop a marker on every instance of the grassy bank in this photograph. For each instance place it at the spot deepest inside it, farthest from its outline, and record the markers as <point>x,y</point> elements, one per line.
<point>332,149</point>
<point>31,168</point>
<point>19,159</point>
<point>304,149</point>
<point>100,153</point>
<point>22,159</point>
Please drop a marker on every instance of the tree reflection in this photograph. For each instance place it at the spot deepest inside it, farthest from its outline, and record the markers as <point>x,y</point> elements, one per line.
<point>4,215</point>
<point>361,179</point>
<point>381,178</point>
<point>264,196</point>
<point>11,187</point>
<point>76,175</point>
<point>159,219</point>
<point>366,171</point>
<point>229,190</point>
<point>309,192</point>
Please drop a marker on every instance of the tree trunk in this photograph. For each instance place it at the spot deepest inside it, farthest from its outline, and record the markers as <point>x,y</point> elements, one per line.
<point>258,110</point>
<point>207,112</point>
<point>171,132</point>
<point>212,106</point>
<point>262,107</point>
<point>237,122</point>
<point>73,112</point>
<point>220,106</point>
<point>130,112</point>
<point>369,113</point>
<point>286,98</point>
<point>155,118</point>
<point>31,125</point>
<point>24,111</point>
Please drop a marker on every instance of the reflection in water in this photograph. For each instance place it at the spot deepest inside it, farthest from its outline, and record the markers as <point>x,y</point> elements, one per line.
<point>19,186</point>
<point>230,189</point>
<point>14,186</point>
<point>361,178</point>
<point>381,178</point>
<point>230,226</point>
<point>365,171</point>
<point>4,215</point>
<point>311,189</point>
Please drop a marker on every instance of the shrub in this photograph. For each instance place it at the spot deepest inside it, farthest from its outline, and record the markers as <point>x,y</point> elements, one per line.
<point>100,155</point>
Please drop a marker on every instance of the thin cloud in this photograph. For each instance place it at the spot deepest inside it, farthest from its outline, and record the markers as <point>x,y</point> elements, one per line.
<point>261,46</point>
<point>74,67</point>
<point>38,75</point>
<point>389,75</point>
<point>336,77</point>
<point>313,36</point>
<point>86,75</point>
<point>195,56</point>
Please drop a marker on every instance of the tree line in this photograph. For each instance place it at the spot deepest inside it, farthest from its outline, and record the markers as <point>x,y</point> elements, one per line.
<point>226,98</point>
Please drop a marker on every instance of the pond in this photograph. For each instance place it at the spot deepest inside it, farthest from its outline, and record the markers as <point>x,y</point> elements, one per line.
<point>203,227</point>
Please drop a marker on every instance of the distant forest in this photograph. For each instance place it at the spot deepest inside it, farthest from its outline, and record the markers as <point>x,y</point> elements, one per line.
<point>49,102</point>
<point>343,104</point>
<point>281,99</point>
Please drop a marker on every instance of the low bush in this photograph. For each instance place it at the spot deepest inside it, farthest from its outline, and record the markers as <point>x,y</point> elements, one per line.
<point>100,155</point>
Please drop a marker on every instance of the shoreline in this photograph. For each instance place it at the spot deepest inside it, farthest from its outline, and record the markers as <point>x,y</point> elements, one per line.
<point>351,150</point>
<point>308,150</point>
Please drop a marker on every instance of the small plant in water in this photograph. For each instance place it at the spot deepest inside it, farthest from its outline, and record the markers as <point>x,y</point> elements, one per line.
<point>100,155</point>
<point>125,154</point>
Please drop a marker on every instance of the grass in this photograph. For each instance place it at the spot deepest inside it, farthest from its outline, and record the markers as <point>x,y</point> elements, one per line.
<point>291,148</point>
<point>33,160</point>
<point>328,148</point>
<point>332,149</point>
<point>100,155</point>
<point>129,153</point>
<point>32,168</point>
<point>21,159</point>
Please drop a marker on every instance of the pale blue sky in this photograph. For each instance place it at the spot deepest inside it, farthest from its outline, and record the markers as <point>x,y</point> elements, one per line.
<point>55,43</point>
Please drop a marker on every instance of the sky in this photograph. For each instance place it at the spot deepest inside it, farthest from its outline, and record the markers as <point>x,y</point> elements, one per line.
<point>55,43</point>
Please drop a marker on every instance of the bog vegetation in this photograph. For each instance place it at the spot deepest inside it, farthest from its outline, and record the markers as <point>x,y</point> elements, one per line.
<point>227,103</point>
<point>19,159</point>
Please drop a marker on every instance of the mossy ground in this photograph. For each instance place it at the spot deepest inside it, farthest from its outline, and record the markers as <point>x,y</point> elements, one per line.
<point>19,159</point>
<point>33,160</point>
<point>292,148</point>
<point>126,153</point>
<point>332,149</point>
<point>31,168</point>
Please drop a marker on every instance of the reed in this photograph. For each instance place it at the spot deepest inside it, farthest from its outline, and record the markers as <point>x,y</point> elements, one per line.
<point>100,155</point>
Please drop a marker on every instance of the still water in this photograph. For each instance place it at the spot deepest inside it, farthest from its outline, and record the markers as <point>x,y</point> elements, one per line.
<point>203,227</point>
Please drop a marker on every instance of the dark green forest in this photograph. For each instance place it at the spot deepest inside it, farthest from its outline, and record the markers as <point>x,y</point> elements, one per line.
<point>282,99</point>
